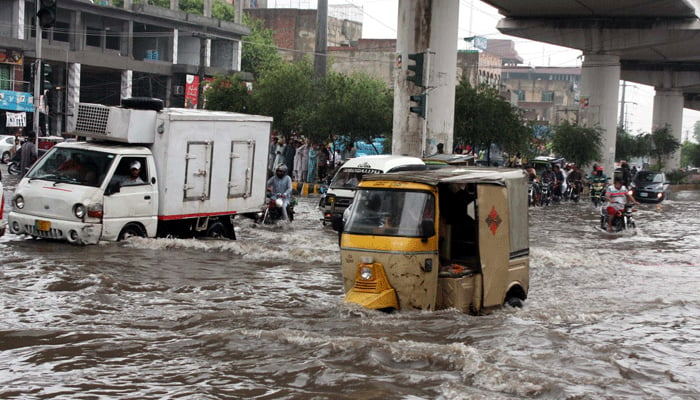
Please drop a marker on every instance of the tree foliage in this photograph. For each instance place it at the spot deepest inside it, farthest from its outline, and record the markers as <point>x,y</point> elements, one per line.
<point>483,118</point>
<point>690,154</point>
<point>626,146</point>
<point>229,93</point>
<point>576,143</point>
<point>219,9</point>
<point>259,49</point>
<point>659,144</point>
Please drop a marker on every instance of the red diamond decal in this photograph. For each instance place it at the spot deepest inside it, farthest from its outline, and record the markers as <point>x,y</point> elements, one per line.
<point>493,220</point>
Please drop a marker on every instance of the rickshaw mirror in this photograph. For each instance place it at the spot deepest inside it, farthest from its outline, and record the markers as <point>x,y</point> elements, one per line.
<point>428,228</point>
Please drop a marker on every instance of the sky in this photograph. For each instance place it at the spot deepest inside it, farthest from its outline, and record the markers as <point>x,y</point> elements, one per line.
<point>379,20</point>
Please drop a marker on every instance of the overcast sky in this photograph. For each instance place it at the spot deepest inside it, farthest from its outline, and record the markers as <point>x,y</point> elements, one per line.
<point>379,18</point>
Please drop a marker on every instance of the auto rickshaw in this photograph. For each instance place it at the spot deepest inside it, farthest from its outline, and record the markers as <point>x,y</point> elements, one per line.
<point>454,237</point>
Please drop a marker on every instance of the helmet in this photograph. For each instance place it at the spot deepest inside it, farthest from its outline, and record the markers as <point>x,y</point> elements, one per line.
<point>282,168</point>
<point>599,168</point>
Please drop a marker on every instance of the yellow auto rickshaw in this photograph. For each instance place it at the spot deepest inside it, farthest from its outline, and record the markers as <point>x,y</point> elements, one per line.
<point>454,237</point>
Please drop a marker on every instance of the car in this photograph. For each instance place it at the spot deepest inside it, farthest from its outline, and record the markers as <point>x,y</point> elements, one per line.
<point>650,187</point>
<point>6,143</point>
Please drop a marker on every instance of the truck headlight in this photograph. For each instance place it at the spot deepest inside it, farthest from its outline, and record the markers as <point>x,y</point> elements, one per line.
<point>79,210</point>
<point>19,201</point>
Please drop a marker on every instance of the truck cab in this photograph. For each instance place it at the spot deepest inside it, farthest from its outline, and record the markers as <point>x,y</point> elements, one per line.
<point>341,191</point>
<point>437,239</point>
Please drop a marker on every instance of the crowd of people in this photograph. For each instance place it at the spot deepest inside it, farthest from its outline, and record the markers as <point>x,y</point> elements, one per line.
<point>306,161</point>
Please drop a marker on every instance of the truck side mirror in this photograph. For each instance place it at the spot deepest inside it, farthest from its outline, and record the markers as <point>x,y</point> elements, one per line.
<point>113,187</point>
<point>428,228</point>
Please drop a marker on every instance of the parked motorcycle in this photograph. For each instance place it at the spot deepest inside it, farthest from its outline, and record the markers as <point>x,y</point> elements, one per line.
<point>531,194</point>
<point>272,210</point>
<point>545,193</point>
<point>623,219</point>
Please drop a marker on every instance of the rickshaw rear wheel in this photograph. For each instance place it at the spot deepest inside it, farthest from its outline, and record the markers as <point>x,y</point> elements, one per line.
<point>515,302</point>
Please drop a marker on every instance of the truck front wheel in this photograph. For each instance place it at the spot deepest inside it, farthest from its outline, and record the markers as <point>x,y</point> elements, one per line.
<point>130,230</point>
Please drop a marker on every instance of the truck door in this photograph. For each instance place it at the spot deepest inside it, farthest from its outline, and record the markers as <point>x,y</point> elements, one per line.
<point>198,170</point>
<point>240,177</point>
<point>494,241</point>
<point>136,200</point>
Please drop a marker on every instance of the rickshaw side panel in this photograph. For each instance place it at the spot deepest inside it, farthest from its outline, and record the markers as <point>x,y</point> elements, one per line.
<point>494,242</point>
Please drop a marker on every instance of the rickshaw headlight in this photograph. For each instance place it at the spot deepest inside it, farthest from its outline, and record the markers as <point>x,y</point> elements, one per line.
<point>19,201</point>
<point>366,272</point>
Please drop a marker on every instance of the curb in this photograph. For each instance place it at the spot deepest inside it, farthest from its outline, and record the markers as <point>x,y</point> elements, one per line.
<point>306,189</point>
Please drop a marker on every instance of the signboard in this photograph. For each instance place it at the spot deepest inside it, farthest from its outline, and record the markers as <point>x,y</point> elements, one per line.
<point>192,89</point>
<point>11,57</point>
<point>480,42</point>
<point>16,101</point>
<point>16,120</point>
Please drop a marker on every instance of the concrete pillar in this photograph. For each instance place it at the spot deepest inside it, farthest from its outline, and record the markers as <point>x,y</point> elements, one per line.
<point>207,8</point>
<point>18,24</point>
<point>127,84</point>
<point>174,5</point>
<point>668,110</point>
<point>600,82</point>
<point>425,25</point>
<point>72,96</point>
<point>176,37</point>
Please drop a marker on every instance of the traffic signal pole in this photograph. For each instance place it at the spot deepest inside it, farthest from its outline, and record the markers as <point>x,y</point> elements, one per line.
<point>424,127</point>
<point>37,73</point>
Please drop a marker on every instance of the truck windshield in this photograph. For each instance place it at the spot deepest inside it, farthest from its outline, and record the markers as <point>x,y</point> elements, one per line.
<point>75,166</point>
<point>390,212</point>
<point>348,178</point>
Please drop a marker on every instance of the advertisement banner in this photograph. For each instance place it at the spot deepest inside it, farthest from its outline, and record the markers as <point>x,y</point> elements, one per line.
<point>192,89</point>
<point>16,101</point>
<point>16,120</point>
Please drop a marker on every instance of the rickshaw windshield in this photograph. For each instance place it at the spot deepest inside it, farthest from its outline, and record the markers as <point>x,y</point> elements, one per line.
<point>75,166</point>
<point>390,212</point>
<point>349,178</point>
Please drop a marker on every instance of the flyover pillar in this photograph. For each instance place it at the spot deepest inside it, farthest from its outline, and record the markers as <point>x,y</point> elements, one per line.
<point>668,111</point>
<point>600,82</point>
<point>425,25</point>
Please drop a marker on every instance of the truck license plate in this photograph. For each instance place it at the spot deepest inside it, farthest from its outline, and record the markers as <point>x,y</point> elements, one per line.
<point>43,226</point>
<point>643,194</point>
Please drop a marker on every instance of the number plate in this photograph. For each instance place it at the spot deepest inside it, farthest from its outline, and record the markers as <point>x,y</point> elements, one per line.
<point>43,226</point>
<point>643,194</point>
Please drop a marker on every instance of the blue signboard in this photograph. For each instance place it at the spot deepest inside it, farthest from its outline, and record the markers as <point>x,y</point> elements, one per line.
<point>16,101</point>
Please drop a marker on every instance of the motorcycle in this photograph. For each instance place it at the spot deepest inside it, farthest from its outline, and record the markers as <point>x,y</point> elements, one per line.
<point>272,210</point>
<point>13,168</point>
<point>623,219</point>
<point>546,193</point>
<point>531,194</point>
<point>573,192</point>
<point>597,192</point>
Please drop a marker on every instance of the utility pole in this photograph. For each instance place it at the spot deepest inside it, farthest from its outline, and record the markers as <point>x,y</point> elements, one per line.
<point>621,124</point>
<point>37,73</point>
<point>321,40</point>
<point>200,69</point>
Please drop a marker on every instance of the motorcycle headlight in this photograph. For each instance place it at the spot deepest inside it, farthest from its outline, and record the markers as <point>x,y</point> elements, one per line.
<point>79,210</point>
<point>19,201</point>
<point>279,202</point>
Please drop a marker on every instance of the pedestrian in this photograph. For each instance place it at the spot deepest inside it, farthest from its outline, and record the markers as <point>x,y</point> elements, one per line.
<point>279,153</point>
<point>323,161</point>
<point>28,154</point>
<point>271,155</point>
<point>305,161</point>
<point>313,164</point>
<point>289,152</point>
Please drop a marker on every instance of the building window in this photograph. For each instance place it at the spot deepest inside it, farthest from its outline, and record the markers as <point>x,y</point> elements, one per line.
<point>5,77</point>
<point>548,96</point>
<point>520,94</point>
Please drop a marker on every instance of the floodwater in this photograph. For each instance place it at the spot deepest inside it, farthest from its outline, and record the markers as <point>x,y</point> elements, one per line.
<point>608,317</point>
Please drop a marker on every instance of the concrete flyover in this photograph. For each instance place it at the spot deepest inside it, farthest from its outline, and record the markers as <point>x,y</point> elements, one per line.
<point>652,42</point>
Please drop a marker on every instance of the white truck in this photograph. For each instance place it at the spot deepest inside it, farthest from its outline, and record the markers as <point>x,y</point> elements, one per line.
<point>145,171</point>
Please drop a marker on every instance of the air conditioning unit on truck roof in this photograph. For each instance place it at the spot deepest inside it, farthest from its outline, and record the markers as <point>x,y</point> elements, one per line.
<point>195,171</point>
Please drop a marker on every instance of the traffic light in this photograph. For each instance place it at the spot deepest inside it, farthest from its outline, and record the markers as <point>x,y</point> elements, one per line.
<point>419,108</point>
<point>46,80</point>
<point>47,13</point>
<point>417,68</point>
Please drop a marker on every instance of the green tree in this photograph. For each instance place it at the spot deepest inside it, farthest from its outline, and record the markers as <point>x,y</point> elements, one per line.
<point>576,143</point>
<point>259,49</point>
<point>690,154</point>
<point>356,107</point>
<point>284,93</point>
<point>483,118</point>
<point>626,145</point>
<point>659,144</point>
<point>229,93</point>
<point>696,131</point>
<point>219,9</point>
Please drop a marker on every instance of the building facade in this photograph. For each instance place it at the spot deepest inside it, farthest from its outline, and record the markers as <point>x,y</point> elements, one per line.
<point>100,53</point>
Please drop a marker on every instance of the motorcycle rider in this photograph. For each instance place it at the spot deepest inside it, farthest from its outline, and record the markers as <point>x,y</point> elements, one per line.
<point>558,181</point>
<point>574,179</point>
<point>617,196</point>
<point>532,177</point>
<point>549,178</point>
<point>281,183</point>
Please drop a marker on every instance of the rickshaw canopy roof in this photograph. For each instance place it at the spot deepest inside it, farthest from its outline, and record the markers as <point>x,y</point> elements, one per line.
<point>493,176</point>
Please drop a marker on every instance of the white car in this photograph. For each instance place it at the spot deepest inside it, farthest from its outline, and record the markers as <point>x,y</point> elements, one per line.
<point>6,144</point>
